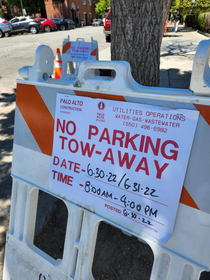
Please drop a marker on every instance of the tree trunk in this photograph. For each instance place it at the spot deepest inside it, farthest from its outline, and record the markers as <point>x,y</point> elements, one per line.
<point>9,13</point>
<point>136,33</point>
<point>166,9</point>
<point>43,12</point>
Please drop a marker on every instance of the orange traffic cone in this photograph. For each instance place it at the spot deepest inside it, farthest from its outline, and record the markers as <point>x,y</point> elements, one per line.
<point>165,28</point>
<point>58,64</point>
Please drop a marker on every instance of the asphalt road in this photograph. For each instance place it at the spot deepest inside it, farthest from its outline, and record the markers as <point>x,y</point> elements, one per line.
<point>19,50</point>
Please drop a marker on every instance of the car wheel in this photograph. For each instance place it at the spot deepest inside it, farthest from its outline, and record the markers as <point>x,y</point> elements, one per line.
<point>62,27</point>
<point>33,30</point>
<point>47,28</point>
<point>108,38</point>
<point>1,34</point>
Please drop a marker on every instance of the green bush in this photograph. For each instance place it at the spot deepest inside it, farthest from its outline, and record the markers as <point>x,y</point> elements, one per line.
<point>196,20</point>
<point>201,21</point>
<point>192,20</point>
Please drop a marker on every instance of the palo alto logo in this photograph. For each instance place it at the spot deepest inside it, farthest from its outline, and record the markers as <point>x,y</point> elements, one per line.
<point>101,105</point>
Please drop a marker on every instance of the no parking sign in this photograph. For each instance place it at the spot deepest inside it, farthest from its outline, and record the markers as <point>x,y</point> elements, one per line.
<point>127,160</point>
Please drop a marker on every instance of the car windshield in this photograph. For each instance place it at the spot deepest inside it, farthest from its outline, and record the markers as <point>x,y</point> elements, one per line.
<point>14,20</point>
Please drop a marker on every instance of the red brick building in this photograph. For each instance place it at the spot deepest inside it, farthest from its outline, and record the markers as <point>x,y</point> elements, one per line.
<point>76,10</point>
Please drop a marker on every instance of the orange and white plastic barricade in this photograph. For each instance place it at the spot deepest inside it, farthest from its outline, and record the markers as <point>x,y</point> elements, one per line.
<point>73,53</point>
<point>183,253</point>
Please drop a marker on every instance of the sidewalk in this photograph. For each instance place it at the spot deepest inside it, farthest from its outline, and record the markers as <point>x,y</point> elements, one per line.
<point>177,56</point>
<point>176,62</point>
<point>7,107</point>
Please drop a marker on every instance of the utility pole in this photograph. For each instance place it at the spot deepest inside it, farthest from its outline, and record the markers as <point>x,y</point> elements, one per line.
<point>193,1</point>
<point>21,3</point>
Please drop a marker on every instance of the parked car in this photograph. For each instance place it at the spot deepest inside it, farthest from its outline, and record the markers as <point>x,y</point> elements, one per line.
<point>25,24</point>
<point>97,22</point>
<point>71,23</point>
<point>3,20</point>
<point>107,26</point>
<point>5,29</point>
<point>61,23</point>
<point>47,24</point>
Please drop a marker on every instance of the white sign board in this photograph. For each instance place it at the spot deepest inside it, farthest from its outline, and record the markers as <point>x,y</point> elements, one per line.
<point>80,51</point>
<point>127,160</point>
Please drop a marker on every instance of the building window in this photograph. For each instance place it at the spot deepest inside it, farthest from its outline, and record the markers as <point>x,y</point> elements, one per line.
<point>90,4</point>
<point>84,2</point>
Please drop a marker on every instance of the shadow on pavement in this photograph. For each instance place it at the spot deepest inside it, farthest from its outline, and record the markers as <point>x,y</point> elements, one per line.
<point>170,28</point>
<point>6,145</point>
<point>171,36</point>
<point>173,78</point>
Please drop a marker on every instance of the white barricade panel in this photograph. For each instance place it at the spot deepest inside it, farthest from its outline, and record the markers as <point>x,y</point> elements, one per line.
<point>49,133</point>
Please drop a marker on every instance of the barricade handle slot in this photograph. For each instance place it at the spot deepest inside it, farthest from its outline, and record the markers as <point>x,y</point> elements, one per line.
<point>80,39</point>
<point>89,76</point>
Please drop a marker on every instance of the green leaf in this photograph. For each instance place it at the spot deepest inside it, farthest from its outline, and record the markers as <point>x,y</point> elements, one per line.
<point>101,7</point>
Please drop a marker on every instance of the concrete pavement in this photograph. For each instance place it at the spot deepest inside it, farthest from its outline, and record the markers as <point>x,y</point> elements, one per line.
<point>177,55</point>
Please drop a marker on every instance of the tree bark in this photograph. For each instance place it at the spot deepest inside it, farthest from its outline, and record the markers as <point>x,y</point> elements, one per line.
<point>166,9</point>
<point>136,34</point>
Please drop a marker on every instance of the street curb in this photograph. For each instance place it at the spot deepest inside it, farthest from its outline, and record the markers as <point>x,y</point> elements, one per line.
<point>198,31</point>
<point>203,33</point>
